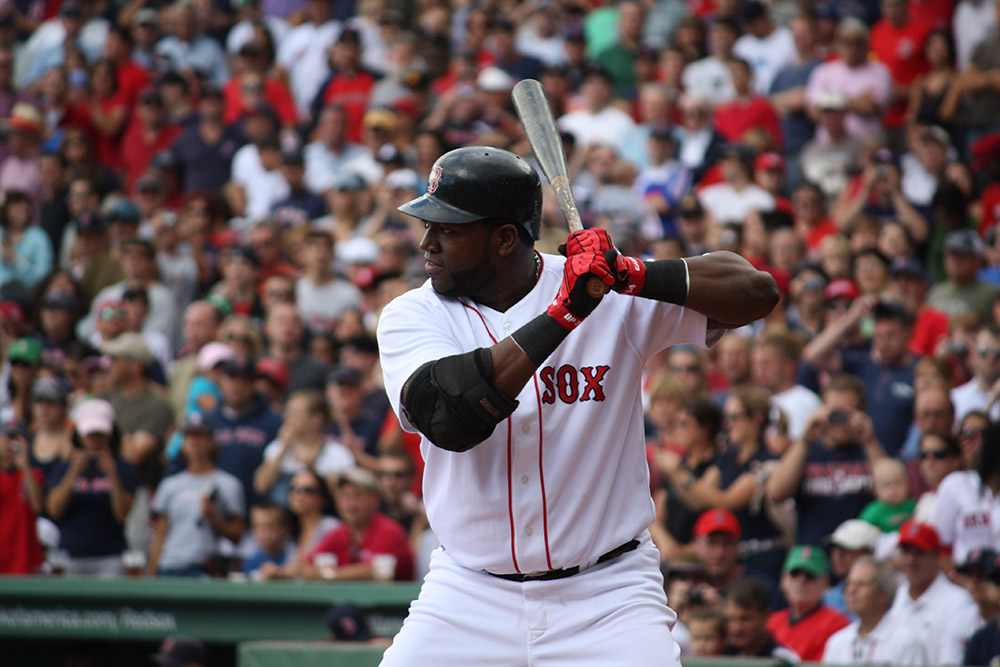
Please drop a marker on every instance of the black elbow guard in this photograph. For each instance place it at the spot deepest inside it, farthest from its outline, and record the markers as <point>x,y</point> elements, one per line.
<point>453,401</point>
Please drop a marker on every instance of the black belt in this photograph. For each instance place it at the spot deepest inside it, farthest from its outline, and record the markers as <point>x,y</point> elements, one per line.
<point>567,571</point>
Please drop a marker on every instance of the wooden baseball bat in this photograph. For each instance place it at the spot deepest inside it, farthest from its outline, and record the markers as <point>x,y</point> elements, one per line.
<point>540,127</point>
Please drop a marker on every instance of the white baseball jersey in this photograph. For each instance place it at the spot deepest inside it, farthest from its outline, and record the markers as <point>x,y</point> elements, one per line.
<point>966,514</point>
<point>943,617</point>
<point>564,479</point>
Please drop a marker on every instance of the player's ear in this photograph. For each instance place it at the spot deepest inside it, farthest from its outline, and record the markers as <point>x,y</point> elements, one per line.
<point>505,238</point>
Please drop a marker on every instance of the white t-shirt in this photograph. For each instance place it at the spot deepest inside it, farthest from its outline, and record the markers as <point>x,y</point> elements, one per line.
<point>766,55</point>
<point>966,514</point>
<point>608,126</point>
<point>943,641</point>
<point>969,397</point>
<point>333,458</point>
<point>321,305</point>
<point>303,54</point>
<point>889,642</point>
<point>727,205</point>
<point>798,404</point>
<point>710,78</point>
<point>974,22</point>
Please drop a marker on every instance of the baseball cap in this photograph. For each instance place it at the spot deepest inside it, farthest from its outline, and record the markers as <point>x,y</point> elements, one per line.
<point>885,156</point>
<point>718,521</point>
<point>984,150</point>
<point>349,34</point>
<point>70,8</point>
<point>358,250</point>
<point>811,559</point>
<point>855,535</point>
<point>963,242</point>
<point>145,16</point>
<point>979,560</point>
<point>273,369</point>
<point>841,288</point>
<point>123,209</point>
<point>888,309</point>
<point>904,265</point>
<point>15,428</point>
<point>243,252</point>
<point>403,179</point>
<point>389,154</point>
<point>239,366</point>
<point>661,131</point>
<point>11,311</point>
<point>494,80</point>
<point>920,536</point>
<point>94,415</point>
<point>935,133</point>
<point>60,299</point>
<point>213,354</point>
<point>50,389</point>
<point>25,117</point>
<point>180,650</point>
<point>165,160</point>
<point>90,222</point>
<point>25,350</point>
<point>768,162</point>
<point>690,207</point>
<point>348,623</point>
<point>344,375</point>
<point>196,422</point>
<point>349,182</point>
<point>380,118</point>
<point>128,345</point>
<point>293,158</point>
<point>151,96</point>
<point>360,477</point>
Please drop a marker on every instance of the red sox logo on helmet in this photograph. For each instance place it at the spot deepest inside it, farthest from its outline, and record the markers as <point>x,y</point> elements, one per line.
<point>432,182</point>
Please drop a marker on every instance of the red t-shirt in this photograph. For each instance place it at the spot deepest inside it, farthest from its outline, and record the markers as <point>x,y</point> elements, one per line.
<point>817,233</point>
<point>990,201</point>
<point>902,51</point>
<point>132,80</point>
<point>275,92</point>
<point>931,326</point>
<point>733,119</point>
<point>20,552</point>
<point>350,92</point>
<point>382,536</point>
<point>937,13</point>
<point>136,153</point>
<point>808,636</point>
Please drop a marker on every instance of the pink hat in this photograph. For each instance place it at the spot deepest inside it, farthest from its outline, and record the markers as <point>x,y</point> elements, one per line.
<point>212,354</point>
<point>94,415</point>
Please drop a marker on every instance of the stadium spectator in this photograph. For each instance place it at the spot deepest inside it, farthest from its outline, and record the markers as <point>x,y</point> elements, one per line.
<point>940,455</point>
<point>22,501</point>
<point>983,644</point>
<point>973,575</point>
<point>200,327</point>
<point>193,508</point>
<point>188,48</point>
<point>927,596</point>
<point>717,535</point>
<point>269,528</point>
<point>788,86</point>
<point>981,392</point>
<point>875,636</point>
<point>748,608</point>
<point>709,77</point>
<point>365,535</point>
<point>853,539</point>
<point>599,121</point>
<point>828,471</point>
<point>807,623</point>
<point>775,364</point>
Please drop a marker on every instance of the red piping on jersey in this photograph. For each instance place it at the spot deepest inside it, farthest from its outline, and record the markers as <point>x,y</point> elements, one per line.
<point>510,483</point>
<point>541,476</point>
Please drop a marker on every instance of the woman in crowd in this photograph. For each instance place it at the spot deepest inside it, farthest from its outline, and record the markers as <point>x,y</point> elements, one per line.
<point>697,427</point>
<point>301,444</point>
<point>25,357</point>
<point>735,481</point>
<point>193,508</point>
<point>89,495</point>
<point>52,440</point>
<point>108,111</point>
<point>970,437</point>
<point>940,455</point>
<point>25,249</point>
<point>239,333</point>
<point>929,98</point>
<point>312,509</point>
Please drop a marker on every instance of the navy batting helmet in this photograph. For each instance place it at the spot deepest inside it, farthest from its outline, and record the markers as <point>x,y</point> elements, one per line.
<point>477,182</point>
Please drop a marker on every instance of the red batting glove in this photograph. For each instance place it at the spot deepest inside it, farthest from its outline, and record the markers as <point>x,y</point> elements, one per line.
<point>573,302</point>
<point>586,240</point>
<point>629,272</point>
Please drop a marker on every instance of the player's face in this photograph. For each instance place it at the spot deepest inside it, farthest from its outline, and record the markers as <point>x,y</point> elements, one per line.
<point>458,258</point>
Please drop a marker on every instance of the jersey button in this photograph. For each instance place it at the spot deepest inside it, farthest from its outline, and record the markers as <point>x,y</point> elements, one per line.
<point>507,326</point>
<point>529,532</point>
<point>524,479</point>
<point>525,429</point>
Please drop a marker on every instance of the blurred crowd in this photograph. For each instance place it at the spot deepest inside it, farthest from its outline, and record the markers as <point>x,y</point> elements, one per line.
<point>198,230</point>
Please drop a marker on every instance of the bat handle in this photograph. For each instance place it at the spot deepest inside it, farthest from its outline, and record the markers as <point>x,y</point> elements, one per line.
<point>596,289</point>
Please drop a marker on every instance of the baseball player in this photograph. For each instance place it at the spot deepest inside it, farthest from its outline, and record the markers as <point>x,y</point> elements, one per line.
<point>526,391</point>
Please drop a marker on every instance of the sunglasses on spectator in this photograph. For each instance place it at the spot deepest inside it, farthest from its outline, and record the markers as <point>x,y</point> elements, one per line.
<point>985,352</point>
<point>280,293</point>
<point>236,338</point>
<point>838,304</point>
<point>937,454</point>
<point>302,489</point>
<point>684,368</point>
<point>969,433</point>
<point>733,416</point>
<point>398,474</point>
<point>808,576</point>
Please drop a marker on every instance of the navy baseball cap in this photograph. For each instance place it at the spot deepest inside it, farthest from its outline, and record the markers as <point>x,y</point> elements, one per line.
<point>904,265</point>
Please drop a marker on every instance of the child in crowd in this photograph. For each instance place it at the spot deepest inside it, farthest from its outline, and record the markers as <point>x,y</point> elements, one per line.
<point>269,525</point>
<point>891,506</point>
<point>708,631</point>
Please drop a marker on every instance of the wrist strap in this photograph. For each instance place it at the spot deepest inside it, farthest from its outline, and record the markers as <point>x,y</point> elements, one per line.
<point>667,280</point>
<point>539,338</point>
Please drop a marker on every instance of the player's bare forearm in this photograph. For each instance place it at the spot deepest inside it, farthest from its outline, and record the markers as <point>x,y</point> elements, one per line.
<point>728,289</point>
<point>511,367</point>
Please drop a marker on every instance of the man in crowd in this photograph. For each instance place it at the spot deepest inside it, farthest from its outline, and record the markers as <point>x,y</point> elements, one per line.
<point>975,394</point>
<point>775,364</point>
<point>748,608</point>
<point>853,539</point>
